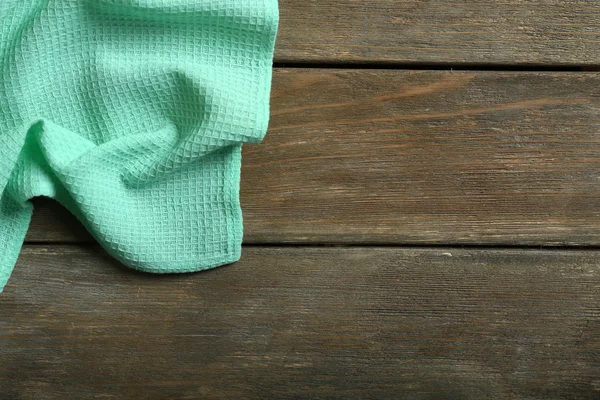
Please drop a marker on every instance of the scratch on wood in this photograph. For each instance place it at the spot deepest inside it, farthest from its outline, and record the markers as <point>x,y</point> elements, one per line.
<point>444,84</point>
<point>518,105</point>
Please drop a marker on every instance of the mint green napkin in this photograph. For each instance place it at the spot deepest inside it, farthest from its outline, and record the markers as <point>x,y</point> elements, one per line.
<point>131,113</point>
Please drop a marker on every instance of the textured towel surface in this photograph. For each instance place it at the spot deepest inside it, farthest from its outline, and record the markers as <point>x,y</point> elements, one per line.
<point>131,113</point>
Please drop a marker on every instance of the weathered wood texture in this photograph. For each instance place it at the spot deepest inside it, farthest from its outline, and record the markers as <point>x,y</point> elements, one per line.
<point>305,323</point>
<point>362,156</point>
<point>559,32</point>
<point>419,157</point>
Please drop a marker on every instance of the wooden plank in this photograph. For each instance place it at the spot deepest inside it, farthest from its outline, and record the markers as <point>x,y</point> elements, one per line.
<point>357,156</point>
<point>558,32</point>
<point>370,323</point>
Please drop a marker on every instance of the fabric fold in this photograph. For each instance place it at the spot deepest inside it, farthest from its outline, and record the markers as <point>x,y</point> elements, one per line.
<point>132,114</point>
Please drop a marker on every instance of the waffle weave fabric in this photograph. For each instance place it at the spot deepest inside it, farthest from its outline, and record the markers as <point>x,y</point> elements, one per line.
<point>132,114</point>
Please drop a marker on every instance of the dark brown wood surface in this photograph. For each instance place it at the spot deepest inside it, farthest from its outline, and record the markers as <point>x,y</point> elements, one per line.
<point>363,157</point>
<point>433,157</point>
<point>510,32</point>
<point>305,323</point>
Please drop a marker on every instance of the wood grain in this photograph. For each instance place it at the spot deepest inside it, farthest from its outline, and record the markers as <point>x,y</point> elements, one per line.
<point>503,32</point>
<point>305,323</point>
<point>371,156</point>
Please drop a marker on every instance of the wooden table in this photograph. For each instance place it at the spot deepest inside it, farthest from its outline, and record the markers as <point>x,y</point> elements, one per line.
<point>422,222</point>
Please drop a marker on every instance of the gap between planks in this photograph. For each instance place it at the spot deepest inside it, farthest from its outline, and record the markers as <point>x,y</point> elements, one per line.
<point>441,66</point>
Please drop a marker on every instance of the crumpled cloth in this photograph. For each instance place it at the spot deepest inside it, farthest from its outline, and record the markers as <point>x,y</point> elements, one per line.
<point>132,114</point>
